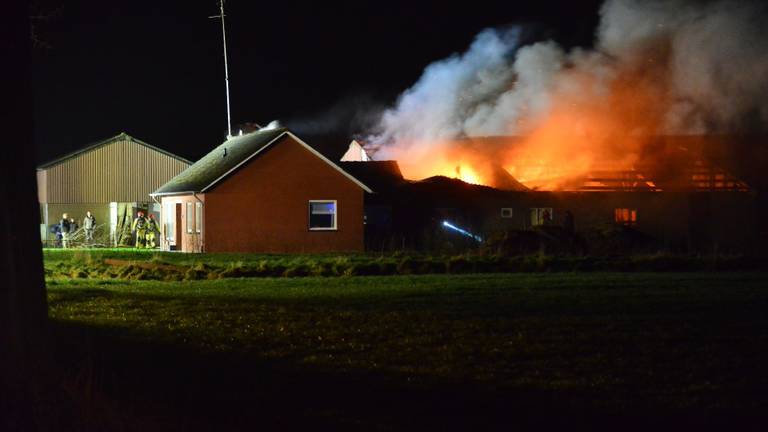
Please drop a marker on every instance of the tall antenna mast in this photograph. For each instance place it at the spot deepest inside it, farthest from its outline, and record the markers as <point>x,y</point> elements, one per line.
<point>226,69</point>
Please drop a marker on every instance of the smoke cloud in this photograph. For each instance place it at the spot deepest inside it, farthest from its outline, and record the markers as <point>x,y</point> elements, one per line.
<point>346,116</point>
<point>657,67</point>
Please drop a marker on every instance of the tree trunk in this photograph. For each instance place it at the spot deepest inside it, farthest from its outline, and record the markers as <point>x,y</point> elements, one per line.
<point>23,311</point>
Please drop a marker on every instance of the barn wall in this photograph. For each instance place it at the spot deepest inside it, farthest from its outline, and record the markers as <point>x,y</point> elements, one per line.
<point>101,211</point>
<point>263,207</point>
<point>724,222</point>
<point>121,171</point>
<point>42,186</point>
<point>694,221</point>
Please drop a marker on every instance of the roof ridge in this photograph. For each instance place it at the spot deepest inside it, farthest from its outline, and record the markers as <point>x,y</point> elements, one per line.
<point>120,136</point>
<point>209,170</point>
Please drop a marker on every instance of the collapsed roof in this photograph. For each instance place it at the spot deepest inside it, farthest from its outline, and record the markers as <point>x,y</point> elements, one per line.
<point>667,163</point>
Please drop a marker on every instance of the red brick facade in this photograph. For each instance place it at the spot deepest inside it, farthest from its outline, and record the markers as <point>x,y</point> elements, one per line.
<point>263,206</point>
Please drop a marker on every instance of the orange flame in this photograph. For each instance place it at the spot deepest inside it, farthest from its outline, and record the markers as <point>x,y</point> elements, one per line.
<point>590,126</point>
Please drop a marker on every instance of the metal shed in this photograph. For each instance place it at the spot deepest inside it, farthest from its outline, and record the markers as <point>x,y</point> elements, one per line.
<point>111,179</point>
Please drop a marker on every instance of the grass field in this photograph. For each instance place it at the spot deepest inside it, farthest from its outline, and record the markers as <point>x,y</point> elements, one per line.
<point>459,352</point>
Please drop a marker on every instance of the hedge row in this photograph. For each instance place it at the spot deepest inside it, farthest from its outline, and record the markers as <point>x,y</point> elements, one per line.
<point>394,265</point>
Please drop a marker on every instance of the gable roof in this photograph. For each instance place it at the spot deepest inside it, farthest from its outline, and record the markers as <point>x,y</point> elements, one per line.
<point>122,136</point>
<point>355,153</point>
<point>204,174</point>
<point>383,176</point>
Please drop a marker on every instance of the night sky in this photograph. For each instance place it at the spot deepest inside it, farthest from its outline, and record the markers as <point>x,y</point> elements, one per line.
<point>155,69</point>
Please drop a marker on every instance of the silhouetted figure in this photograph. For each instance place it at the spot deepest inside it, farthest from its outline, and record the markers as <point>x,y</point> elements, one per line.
<point>569,225</point>
<point>546,217</point>
<point>65,228</point>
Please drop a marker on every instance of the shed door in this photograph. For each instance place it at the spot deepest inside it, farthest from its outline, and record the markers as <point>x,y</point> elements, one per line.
<point>179,237</point>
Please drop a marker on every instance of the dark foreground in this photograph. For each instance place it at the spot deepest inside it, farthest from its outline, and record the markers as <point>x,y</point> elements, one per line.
<point>448,352</point>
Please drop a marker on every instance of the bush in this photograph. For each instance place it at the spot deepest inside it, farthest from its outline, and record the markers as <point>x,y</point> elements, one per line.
<point>297,270</point>
<point>489,264</point>
<point>78,274</point>
<point>621,240</point>
<point>387,267</point>
<point>198,271</point>
<point>233,272</point>
<point>434,266</point>
<point>458,264</point>
<point>340,265</point>
<point>363,269</point>
<point>173,276</point>
<point>406,266</point>
<point>321,268</point>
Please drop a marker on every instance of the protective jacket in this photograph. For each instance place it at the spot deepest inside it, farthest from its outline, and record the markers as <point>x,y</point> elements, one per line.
<point>65,225</point>
<point>139,224</point>
<point>152,225</point>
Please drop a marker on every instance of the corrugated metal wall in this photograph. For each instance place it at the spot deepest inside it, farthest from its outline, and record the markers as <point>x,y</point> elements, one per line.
<point>77,211</point>
<point>42,186</point>
<point>121,171</point>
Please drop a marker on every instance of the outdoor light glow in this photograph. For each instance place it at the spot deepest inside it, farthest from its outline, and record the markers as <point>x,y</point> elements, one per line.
<point>462,231</point>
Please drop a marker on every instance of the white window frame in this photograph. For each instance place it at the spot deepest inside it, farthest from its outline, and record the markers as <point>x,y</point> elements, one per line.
<point>198,217</point>
<point>509,209</point>
<point>169,214</point>
<point>335,215</point>
<point>190,217</point>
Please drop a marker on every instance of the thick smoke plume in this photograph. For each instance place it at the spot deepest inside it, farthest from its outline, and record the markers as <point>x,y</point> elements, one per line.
<point>657,67</point>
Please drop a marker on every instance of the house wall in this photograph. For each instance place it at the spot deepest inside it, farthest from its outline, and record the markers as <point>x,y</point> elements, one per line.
<point>190,241</point>
<point>264,206</point>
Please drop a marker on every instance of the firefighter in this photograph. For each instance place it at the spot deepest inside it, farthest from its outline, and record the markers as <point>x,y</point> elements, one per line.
<point>139,226</point>
<point>152,229</point>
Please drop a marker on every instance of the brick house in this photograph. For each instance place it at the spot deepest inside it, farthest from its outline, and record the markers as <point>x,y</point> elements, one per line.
<point>265,191</point>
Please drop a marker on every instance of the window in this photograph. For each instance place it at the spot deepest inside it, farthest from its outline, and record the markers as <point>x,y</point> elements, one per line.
<point>506,212</point>
<point>198,217</point>
<point>322,215</point>
<point>625,216</point>
<point>541,216</point>
<point>170,222</point>
<point>190,217</point>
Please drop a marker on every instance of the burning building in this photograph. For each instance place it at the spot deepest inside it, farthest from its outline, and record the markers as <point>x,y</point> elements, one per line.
<point>644,129</point>
<point>680,199</point>
<point>635,133</point>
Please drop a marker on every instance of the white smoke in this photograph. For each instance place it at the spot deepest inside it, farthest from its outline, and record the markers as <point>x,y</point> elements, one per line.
<point>274,124</point>
<point>707,61</point>
<point>717,61</point>
<point>451,92</point>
